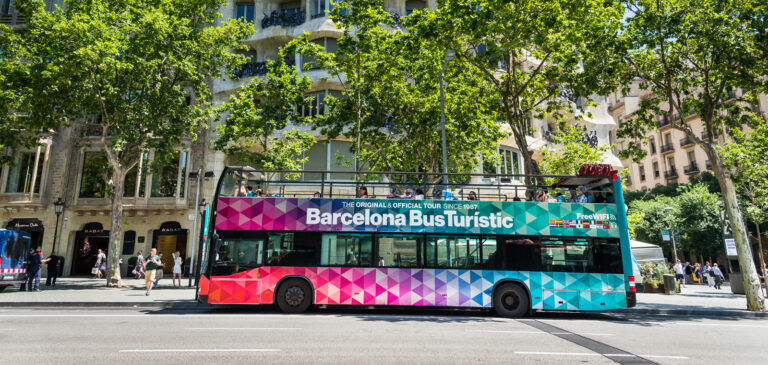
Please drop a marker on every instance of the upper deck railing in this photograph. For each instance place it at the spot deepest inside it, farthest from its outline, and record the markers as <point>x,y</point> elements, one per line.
<point>245,181</point>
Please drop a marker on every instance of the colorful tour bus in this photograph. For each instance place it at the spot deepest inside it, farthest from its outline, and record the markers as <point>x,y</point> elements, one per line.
<point>298,239</point>
<point>14,248</point>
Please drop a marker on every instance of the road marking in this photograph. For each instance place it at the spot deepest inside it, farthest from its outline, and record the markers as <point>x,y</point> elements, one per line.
<point>201,350</point>
<point>594,354</point>
<point>544,333</point>
<point>240,328</point>
<point>717,324</point>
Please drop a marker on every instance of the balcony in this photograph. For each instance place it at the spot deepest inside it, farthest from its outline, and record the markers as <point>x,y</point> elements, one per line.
<point>11,20</point>
<point>285,17</point>
<point>666,148</point>
<point>686,142</point>
<point>259,68</point>
<point>691,169</point>
<point>664,122</point>
<point>670,174</point>
<point>708,164</point>
<point>705,136</point>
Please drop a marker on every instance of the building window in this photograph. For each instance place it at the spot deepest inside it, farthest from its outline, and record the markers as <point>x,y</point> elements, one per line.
<point>671,163</point>
<point>642,172</point>
<point>668,139</point>
<point>334,156</point>
<point>93,179</point>
<point>319,7</point>
<point>655,169</point>
<point>412,5</point>
<point>169,180</point>
<point>26,173</point>
<point>129,242</point>
<point>244,11</point>
<point>328,44</point>
<point>691,158</point>
<point>510,163</point>
<point>6,7</point>
<point>317,105</point>
<point>653,146</point>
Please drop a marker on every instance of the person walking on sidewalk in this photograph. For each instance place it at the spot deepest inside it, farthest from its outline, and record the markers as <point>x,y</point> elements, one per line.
<point>177,261</point>
<point>150,266</point>
<point>680,274</point>
<point>33,269</point>
<point>159,273</point>
<point>139,269</point>
<point>53,269</point>
<point>718,276</point>
<point>101,259</point>
<point>705,274</point>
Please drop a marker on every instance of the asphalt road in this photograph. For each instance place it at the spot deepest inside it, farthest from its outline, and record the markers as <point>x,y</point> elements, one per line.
<point>362,336</point>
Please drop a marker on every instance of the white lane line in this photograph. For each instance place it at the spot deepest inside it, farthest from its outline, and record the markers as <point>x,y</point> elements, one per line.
<point>556,353</point>
<point>201,350</point>
<point>717,324</point>
<point>186,315</point>
<point>595,354</point>
<point>241,328</point>
<point>545,333</point>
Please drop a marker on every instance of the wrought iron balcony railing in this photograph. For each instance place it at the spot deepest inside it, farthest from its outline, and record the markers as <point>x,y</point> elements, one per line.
<point>259,68</point>
<point>691,169</point>
<point>285,17</point>
<point>685,142</point>
<point>666,148</point>
<point>670,174</point>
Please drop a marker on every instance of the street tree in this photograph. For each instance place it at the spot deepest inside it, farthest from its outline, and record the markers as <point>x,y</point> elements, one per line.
<point>390,101</point>
<point>699,59</point>
<point>138,69</point>
<point>16,130</point>
<point>539,56</point>
<point>255,115</point>
<point>746,157</point>
<point>568,152</point>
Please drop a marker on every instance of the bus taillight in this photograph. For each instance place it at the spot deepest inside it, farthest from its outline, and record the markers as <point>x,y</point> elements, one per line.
<point>632,288</point>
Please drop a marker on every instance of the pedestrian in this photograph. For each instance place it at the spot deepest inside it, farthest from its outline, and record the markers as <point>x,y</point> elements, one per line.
<point>697,273</point>
<point>705,274</point>
<point>53,269</point>
<point>150,266</point>
<point>680,274</point>
<point>159,272</point>
<point>33,270</point>
<point>100,265</point>
<point>688,272</point>
<point>177,261</point>
<point>139,269</point>
<point>718,276</point>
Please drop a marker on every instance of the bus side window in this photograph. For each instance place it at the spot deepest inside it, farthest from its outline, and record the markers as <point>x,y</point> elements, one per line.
<point>607,256</point>
<point>346,249</point>
<point>521,253</point>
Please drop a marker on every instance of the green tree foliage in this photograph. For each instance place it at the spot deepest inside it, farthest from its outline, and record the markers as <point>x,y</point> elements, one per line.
<point>140,66</point>
<point>537,55</point>
<point>703,58</point>
<point>695,217</point>
<point>390,101</point>
<point>261,109</point>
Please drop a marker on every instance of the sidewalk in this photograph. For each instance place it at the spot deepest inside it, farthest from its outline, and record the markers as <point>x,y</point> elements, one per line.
<point>89,292</point>
<point>695,299</point>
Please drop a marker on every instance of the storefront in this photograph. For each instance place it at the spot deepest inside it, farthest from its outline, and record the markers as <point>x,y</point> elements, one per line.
<point>169,239</point>
<point>88,241</point>
<point>33,226</point>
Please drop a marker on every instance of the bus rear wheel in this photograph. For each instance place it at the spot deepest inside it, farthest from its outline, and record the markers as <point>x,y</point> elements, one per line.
<point>511,300</point>
<point>294,296</point>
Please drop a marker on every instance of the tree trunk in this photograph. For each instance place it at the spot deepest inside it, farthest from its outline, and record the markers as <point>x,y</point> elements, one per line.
<point>760,255</point>
<point>752,287</point>
<point>115,230</point>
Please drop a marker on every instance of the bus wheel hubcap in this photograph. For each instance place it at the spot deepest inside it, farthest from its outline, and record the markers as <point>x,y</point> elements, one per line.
<point>510,301</point>
<point>294,296</point>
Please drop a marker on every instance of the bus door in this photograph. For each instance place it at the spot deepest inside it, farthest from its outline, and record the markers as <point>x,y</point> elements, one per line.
<point>233,279</point>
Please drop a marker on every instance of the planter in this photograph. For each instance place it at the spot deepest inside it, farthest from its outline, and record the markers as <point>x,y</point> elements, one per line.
<point>647,288</point>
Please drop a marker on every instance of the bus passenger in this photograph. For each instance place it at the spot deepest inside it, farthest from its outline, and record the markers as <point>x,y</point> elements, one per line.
<point>408,194</point>
<point>599,198</point>
<point>259,193</point>
<point>362,193</point>
<point>473,196</point>
<point>560,198</point>
<point>317,194</point>
<point>419,194</point>
<point>580,197</point>
<point>249,191</point>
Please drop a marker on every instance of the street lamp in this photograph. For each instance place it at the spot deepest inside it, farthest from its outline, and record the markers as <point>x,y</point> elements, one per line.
<point>449,54</point>
<point>58,208</point>
<point>672,233</point>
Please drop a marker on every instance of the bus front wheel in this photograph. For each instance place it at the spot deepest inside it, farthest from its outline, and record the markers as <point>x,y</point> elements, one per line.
<point>294,296</point>
<point>511,300</point>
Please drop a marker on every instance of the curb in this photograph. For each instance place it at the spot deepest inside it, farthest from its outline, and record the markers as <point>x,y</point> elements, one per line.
<point>688,312</point>
<point>162,305</point>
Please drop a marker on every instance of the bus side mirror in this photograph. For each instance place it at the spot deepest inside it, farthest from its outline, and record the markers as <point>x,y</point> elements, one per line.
<point>217,242</point>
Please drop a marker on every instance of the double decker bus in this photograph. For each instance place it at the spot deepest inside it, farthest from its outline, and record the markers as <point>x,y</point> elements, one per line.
<point>314,241</point>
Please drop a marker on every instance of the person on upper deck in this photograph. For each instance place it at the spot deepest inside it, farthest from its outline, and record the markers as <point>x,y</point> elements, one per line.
<point>408,194</point>
<point>580,197</point>
<point>472,196</point>
<point>419,194</point>
<point>362,193</point>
